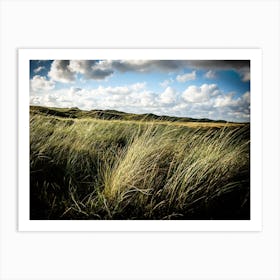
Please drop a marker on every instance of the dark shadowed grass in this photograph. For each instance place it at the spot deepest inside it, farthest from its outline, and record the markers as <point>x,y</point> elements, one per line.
<point>86,168</point>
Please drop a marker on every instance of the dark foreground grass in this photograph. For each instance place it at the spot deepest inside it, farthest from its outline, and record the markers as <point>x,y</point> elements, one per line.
<point>100,169</point>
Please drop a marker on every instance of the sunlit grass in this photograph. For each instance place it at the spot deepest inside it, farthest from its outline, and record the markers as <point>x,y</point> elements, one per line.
<point>110,169</point>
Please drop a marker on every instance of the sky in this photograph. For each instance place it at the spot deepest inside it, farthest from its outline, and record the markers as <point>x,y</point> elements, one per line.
<point>214,89</point>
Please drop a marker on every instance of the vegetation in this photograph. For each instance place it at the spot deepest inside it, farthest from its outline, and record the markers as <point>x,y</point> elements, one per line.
<point>113,165</point>
<point>111,115</point>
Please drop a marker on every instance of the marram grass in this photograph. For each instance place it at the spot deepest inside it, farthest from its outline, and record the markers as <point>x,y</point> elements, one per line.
<point>100,169</point>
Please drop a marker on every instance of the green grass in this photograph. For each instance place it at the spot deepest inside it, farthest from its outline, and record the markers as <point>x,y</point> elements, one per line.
<point>110,115</point>
<point>83,167</point>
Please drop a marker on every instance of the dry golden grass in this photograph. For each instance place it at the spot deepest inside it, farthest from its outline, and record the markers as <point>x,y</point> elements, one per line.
<point>110,169</point>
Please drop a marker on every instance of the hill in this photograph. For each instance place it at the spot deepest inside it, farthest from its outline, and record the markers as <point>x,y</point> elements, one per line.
<point>111,115</point>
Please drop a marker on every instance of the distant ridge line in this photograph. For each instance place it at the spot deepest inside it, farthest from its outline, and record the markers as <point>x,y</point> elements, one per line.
<point>75,112</point>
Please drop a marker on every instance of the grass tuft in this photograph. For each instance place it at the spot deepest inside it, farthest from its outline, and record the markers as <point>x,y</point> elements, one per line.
<point>86,168</point>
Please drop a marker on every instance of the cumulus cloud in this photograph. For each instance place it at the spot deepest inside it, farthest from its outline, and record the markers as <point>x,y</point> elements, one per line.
<point>195,94</point>
<point>246,97</point>
<point>60,71</point>
<point>92,69</point>
<point>219,64</point>
<point>133,98</point>
<point>186,77</point>
<point>119,90</point>
<point>236,109</point>
<point>224,101</point>
<point>229,101</point>
<point>147,99</point>
<point>146,65</point>
<point>168,96</point>
<point>205,101</point>
<point>74,90</point>
<point>166,83</point>
<point>40,83</point>
<point>245,75</point>
<point>172,65</point>
<point>211,66</point>
<point>138,86</point>
<point>39,69</point>
<point>210,74</point>
<point>65,70</point>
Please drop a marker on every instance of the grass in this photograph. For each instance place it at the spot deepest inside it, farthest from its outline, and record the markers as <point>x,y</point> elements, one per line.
<point>90,168</point>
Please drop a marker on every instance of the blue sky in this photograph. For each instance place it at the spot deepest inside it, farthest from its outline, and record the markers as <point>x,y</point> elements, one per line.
<point>185,88</point>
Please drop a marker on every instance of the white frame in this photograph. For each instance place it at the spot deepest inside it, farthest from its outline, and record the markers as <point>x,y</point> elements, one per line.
<point>254,224</point>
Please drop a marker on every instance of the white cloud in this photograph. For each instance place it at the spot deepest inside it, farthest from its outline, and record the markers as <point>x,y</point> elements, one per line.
<point>246,97</point>
<point>81,66</point>
<point>146,65</point>
<point>146,99</point>
<point>40,83</point>
<point>177,65</point>
<point>166,83</point>
<point>229,101</point>
<point>120,90</point>
<point>60,71</point>
<point>205,101</point>
<point>65,70</point>
<point>138,86</point>
<point>224,101</point>
<point>38,69</point>
<point>74,90</point>
<point>186,77</point>
<point>116,90</point>
<point>210,74</point>
<point>195,94</point>
<point>168,96</point>
<point>92,69</point>
<point>245,76</point>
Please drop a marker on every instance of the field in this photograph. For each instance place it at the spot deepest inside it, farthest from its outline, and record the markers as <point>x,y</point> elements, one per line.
<point>113,165</point>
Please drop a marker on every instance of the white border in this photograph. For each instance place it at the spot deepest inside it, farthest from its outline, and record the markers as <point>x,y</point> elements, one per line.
<point>254,224</point>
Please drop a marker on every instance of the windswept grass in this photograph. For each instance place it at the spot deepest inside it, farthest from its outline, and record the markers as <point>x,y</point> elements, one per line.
<point>102,169</point>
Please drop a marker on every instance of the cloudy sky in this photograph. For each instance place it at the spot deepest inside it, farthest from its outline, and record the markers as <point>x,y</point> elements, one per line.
<point>215,89</point>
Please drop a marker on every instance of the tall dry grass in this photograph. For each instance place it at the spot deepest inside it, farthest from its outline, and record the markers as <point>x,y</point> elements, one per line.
<point>95,169</point>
